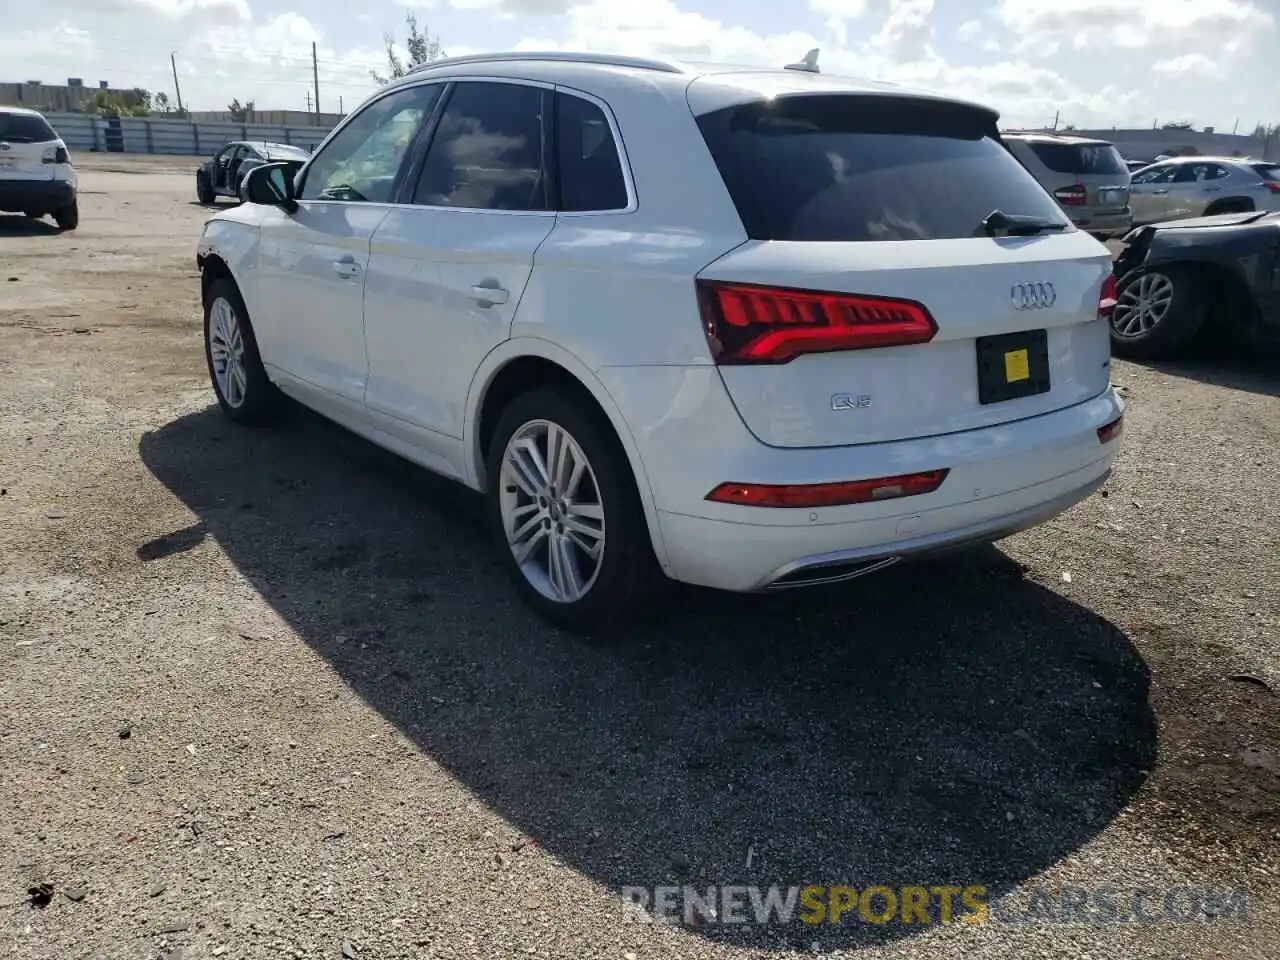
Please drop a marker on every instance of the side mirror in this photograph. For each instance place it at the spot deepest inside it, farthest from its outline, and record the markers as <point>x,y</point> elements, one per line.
<point>270,184</point>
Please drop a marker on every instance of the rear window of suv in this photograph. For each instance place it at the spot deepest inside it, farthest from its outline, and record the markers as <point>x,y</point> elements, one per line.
<point>844,167</point>
<point>1080,159</point>
<point>25,128</point>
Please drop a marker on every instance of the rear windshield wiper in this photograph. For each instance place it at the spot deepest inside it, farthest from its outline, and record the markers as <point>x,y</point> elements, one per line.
<point>1018,224</point>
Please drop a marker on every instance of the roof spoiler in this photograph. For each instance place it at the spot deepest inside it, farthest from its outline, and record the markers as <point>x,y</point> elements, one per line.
<point>808,65</point>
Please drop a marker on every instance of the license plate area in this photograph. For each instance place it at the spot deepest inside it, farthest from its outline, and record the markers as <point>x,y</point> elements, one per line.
<point>1012,366</point>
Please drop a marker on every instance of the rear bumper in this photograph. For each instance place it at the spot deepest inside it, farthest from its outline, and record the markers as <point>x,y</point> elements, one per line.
<point>745,557</point>
<point>1111,224</point>
<point>1002,479</point>
<point>35,196</point>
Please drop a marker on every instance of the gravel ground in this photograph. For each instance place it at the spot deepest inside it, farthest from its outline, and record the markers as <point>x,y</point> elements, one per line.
<point>267,694</point>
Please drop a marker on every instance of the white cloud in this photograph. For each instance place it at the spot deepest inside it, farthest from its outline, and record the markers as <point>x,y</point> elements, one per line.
<point>1134,24</point>
<point>1195,65</point>
<point>1105,62</point>
<point>843,9</point>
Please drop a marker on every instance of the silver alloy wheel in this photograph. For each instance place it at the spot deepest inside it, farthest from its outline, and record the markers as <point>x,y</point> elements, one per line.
<point>1142,305</point>
<point>551,511</point>
<point>226,348</point>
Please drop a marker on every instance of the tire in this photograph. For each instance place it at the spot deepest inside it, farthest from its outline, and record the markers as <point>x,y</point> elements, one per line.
<point>250,398</point>
<point>68,218</point>
<point>1139,330</point>
<point>204,190</point>
<point>626,571</point>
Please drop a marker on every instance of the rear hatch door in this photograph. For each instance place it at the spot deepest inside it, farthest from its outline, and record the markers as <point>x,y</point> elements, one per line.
<point>871,208</point>
<point>1097,171</point>
<point>25,141</point>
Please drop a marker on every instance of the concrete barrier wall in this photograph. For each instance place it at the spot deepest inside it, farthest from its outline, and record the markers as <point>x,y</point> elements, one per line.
<point>148,135</point>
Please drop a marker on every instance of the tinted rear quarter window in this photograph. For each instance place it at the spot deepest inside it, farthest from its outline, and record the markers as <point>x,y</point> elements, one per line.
<point>843,167</point>
<point>1079,158</point>
<point>24,128</point>
<point>588,165</point>
<point>1268,171</point>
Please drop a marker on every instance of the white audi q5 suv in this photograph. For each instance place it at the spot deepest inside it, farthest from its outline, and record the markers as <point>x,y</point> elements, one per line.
<point>748,328</point>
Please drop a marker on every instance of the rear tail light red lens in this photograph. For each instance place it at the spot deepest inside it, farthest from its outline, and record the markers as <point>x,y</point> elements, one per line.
<point>1112,430</point>
<point>746,323</point>
<point>1273,187</point>
<point>838,494</point>
<point>1107,300</point>
<point>1073,196</point>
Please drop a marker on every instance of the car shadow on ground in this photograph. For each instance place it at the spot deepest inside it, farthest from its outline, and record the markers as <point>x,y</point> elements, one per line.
<point>17,225</point>
<point>944,723</point>
<point>1233,367</point>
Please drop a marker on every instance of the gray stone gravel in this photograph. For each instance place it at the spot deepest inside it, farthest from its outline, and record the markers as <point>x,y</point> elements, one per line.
<point>347,738</point>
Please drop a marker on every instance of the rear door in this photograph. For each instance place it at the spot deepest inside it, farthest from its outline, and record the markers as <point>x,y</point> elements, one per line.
<point>25,142</point>
<point>447,269</point>
<point>870,305</point>
<point>1194,187</point>
<point>1098,180</point>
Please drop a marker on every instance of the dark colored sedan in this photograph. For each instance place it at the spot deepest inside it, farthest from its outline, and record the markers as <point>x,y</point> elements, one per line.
<point>221,174</point>
<point>1175,279</point>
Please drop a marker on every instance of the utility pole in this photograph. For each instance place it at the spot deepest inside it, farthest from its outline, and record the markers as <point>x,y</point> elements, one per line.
<point>1057,115</point>
<point>308,101</point>
<point>315,79</point>
<point>341,110</point>
<point>176,89</point>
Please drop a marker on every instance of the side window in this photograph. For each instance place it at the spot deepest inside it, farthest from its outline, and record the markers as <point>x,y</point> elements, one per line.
<point>587,162</point>
<point>1156,175</point>
<point>1215,172</point>
<point>360,163</point>
<point>1191,173</point>
<point>489,151</point>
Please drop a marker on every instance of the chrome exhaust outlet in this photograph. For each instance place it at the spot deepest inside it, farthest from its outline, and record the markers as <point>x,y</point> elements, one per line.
<point>830,572</point>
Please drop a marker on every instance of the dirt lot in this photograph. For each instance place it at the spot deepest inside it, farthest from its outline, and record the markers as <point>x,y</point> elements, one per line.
<point>267,694</point>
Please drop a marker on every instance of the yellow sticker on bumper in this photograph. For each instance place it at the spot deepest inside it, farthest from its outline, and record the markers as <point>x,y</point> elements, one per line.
<point>1017,366</point>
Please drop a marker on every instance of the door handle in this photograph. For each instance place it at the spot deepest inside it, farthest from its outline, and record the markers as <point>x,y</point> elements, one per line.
<point>1212,189</point>
<point>488,296</point>
<point>1159,192</point>
<point>346,268</point>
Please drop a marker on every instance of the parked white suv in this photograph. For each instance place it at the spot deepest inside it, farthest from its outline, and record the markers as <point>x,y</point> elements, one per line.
<point>753,329</point>
<point>36,175</point>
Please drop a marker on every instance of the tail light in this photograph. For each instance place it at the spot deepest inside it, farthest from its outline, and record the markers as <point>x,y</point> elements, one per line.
<point>838,494</point>
<point>1072,196</point>
<point>1107,299</point>
<point>56,155</point>
<point>746,323</point>
<point>1271,185</point>
<point>1111,430</point>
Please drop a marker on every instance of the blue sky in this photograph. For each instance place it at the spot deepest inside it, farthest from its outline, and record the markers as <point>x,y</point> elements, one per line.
<point>1096,62</point>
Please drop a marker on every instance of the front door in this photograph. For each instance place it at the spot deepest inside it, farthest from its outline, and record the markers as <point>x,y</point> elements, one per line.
<point>450,268</point>
<point>1149,193</point>
<point>312,262</point>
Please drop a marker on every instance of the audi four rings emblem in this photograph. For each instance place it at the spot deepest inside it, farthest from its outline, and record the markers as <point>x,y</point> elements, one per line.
<point>1032,296</point>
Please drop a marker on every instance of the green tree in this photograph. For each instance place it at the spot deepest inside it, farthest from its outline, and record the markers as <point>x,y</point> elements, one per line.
<point>240,112</point>
<point>421,46</point>
<point>123,103</point>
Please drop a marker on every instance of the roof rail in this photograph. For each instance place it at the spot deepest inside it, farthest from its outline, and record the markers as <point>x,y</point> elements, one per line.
<point>563,56</point>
